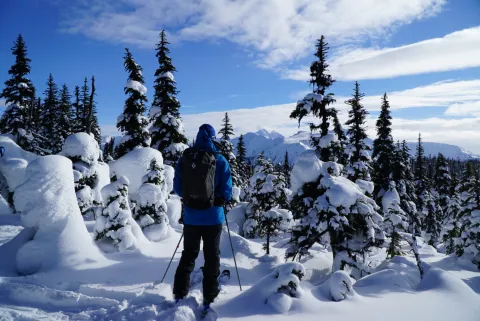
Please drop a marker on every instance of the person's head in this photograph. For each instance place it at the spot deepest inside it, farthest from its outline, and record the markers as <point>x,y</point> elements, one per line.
<point>209,130</point>
<point>206,138</point>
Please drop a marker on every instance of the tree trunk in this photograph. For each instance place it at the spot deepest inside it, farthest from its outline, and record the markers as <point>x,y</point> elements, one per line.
<point>268,241</point>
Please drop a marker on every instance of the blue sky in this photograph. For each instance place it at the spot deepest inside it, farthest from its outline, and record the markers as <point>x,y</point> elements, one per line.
<point>249,54</point>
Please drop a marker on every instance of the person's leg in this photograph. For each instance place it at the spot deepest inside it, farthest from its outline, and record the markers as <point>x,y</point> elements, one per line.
<point>211,269</point>
<point>191,247</point>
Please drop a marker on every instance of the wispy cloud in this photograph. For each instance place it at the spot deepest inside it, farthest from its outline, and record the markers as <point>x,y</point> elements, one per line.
<point>458,50</point>
<point>279,31</point>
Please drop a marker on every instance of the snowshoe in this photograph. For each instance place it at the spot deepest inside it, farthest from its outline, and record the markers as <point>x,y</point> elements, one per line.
<point>208,314</point>
<point>224,277</point>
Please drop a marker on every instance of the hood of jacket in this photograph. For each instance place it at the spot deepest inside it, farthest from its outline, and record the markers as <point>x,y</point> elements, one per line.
<point>204,141</point>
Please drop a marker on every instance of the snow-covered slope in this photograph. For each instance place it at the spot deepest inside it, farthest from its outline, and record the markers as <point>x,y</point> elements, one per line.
<point>274,146</point>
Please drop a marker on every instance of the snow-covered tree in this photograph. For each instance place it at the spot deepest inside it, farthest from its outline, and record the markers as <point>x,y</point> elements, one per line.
<point>167,131</point>
<point>227,150</point>
<point>339,146</point>
<point>286,168</point>
<point>270,224</point>
<point>442,182</point>
<point>383,151</point>
<point>430,214</point>
<point>65,120</point>
<point>358,166</point>
<point>242,166</point>
<point>90,120</point>
<point>317,103</point>
<point>108,149</point>
<point>19,97</point>
<point>114,223</point>
<point>395,220</point>
<point>82,149</point>
<point>151,208</point>
<point>132,123</point>
<point>51,116</point>
<point>468,242</point>
<point>451,222</point>
<point>267,191</point>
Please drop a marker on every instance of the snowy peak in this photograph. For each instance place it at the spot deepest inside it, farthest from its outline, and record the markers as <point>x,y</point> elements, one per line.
<point>270,135</point>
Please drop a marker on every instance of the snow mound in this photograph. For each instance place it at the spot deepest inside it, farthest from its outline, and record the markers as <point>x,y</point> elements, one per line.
<point>134,166</point>
<point>277,290</point>
<point>341,285</point>
<point>47,203</point>
<point>240,245</point>
<point>137,86</point>
<point>169,174</point>
<point>174,211</point>
<point>168,75</point>
<point>236,217</point>
<point>441,280</point>
<point>81,146</point>
<point>14,162</point>
<point>307,168</point>
<point>382,281</point>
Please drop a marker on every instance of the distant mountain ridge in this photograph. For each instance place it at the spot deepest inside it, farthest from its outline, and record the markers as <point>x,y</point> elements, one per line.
<point>274,145</point>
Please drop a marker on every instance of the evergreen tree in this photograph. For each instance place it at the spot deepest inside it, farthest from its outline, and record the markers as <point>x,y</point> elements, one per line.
<point>152,207</point>
<point>242,166</point>
<point>227,150</point>
<point>91,120</point>
<point>318,104</point>
<point>442,182</point>
<point>395,222</point>
<point>339,147</point>
<point>270,224</point>
<point>286,169</point>
<point>77,107</point>
<point>451,222</point>
<point>359,162</point>
<point>267,191</point>
<point>65,123</point>
<point>114,223</point>
<point>108,149</point>
<point>84,98</point>
<point>168,134</point>
<point>132,123</point>
<point>383,151</point>
<point>51,117</point>
<point>19,97</point>
<point>227,129</point>
<point>426,206</point>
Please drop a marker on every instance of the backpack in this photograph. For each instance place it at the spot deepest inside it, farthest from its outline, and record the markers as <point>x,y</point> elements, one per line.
<point>198,178</point>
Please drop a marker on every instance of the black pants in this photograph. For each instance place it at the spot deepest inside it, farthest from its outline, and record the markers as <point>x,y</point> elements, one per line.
<point>211,253</point>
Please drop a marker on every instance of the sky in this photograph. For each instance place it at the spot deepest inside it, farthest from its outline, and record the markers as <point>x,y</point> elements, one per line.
<point>251,57</point>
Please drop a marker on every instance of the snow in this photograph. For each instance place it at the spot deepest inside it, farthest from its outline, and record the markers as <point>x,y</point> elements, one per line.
<point>307,168</point>
<point>47,205</point>
<point>236,217</point>
<point>134,166</point>
<point>326,140</point>
<point>14,162</point>
<point>168,75</point>
<point>22,85</point>
<point>341,285</point>
<point>82,146</point>
<point>366,186</point>
<point>137,86</point>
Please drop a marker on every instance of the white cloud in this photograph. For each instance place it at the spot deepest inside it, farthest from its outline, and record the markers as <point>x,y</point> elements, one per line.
<point>464,109</point>
<point>444,130</point>
<point>458,50</point>
<point>279,31</point>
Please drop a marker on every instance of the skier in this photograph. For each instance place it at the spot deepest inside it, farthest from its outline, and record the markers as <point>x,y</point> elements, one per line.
<point>203,180</point>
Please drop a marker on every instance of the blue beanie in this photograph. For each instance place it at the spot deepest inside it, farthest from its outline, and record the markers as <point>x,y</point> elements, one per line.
<point>208,129</point>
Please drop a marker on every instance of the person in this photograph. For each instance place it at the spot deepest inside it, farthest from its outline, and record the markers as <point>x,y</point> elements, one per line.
<point>202,224</point>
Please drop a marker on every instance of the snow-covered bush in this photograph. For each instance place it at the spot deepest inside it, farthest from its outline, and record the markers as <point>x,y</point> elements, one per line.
<point>114,223</point>
<point>82,149</point>
<point>151,208</point>
<point>47,204</point>
<point>395,220</point>
<point>341,285</point>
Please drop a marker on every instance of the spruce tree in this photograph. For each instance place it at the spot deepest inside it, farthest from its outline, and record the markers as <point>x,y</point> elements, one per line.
<point>383,151</point>
<point>395,222</point>
<point>51,117</point>
<point>339,147</point>
<point>91,120</point>
<point>426,206</point>
<point>132,123</point>
<point>227,129</point>
<point>227,150</point>
<point>286,168</point>
<point>320,219</point>
<point>359,162</point>
<point>318,104</point>
<point>167,131</point>
<point>77,107</point>
<point>451,221</point>
<point>442,182</point>
<point>19,97</point>
<point>84,98</point>
<point>468,241</point>
<point>242,166</point>
<point>65,123</point>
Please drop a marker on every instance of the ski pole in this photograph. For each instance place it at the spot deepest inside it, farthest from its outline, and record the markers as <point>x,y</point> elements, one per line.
<point>181,237</point>
<point>231,245</point>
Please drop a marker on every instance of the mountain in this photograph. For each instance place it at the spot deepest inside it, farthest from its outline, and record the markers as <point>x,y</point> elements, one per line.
<point>274,146</point>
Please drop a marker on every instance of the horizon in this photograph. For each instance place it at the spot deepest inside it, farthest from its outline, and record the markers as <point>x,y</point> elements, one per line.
<point>425,55</point>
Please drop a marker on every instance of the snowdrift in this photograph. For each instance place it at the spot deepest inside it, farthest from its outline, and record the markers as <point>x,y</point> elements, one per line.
<point>48,206</point>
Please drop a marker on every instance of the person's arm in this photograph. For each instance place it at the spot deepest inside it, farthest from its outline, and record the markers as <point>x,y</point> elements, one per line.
<point>225,181</point>
<point>177,179</point>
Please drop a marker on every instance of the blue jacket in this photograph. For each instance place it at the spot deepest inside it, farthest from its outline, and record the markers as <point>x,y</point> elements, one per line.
<point>223,186</point>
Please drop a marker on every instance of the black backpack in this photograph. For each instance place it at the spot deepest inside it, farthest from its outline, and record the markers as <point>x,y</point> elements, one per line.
<point>198,178</point>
